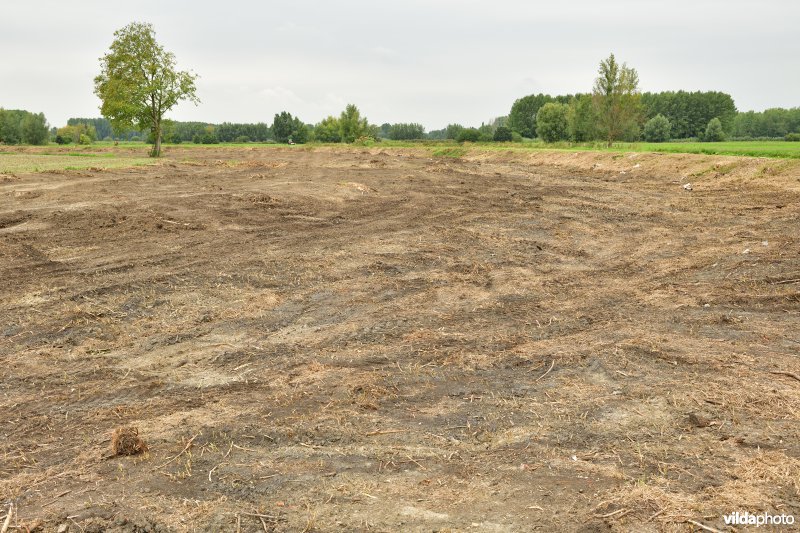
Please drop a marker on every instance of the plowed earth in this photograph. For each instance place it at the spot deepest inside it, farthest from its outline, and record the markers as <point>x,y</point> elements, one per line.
<point>378,339</point>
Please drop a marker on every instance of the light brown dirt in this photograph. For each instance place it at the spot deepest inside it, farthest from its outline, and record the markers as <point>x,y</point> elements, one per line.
<point>382,340</point>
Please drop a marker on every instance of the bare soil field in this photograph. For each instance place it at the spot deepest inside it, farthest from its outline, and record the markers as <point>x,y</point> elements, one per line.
<point>367,339</point>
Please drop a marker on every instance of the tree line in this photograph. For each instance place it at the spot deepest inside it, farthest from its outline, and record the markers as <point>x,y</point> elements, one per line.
<point>23,127</point>
<point>135,100</point>
<point>648,116</point>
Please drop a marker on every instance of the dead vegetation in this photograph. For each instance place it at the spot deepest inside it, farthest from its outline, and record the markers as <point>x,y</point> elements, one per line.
<point>126,441</point>
<point>384,340</point>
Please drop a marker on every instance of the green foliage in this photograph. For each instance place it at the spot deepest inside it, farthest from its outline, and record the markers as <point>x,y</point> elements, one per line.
<point>365,140</point>
<point>454,152</point>
<point>775,122</point>
<point>714,131</point>
<point>76,134</point>
<point>522,117</point>
<point>452,131</point>
<point>689,112</point>
<point>582,119</point>
<point>282,126</point>
<point>352,125</point>
<point>328,131</point>
<point>102,126</point>
<point>406,131</point>
<point>502,134</point>
<point>23,127</point>
<point>286,128</point>
<point>139,83</point>
<point>34,129</point>
<point>469,135</point>
<point>231,132</point>
<point>617,99</point>
<point>516,137</point>
<point>438,135</point>
<point>299,132</point>
<point>551,122</point>
<point>792,137</point>
<point>657,129</point>
<point>207,134</point>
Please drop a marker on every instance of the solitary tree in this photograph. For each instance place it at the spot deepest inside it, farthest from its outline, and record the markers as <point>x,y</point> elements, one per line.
<point>139,83</point>
<point>616,97</point>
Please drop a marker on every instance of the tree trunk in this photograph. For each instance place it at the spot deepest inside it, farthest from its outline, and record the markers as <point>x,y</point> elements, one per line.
<point>156,141</point>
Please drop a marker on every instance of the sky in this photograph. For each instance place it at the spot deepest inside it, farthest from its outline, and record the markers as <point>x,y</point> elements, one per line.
<point>433,62</point>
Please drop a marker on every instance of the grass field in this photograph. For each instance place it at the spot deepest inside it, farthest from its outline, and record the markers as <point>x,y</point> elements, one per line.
<point>12,163</point>
<point>105,155</point>
<point>776,149</point>
<point>743,148</point>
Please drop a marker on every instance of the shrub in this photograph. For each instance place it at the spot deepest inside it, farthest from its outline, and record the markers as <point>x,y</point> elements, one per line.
<point>85,139</point>
<point>657,129</point>
<point>242,139</point>
<point>503,135</point>
<point>551,122</point>
<point>516,137</point>
<point>794,137</point>
<point>714,132</point>
<point>469,135</point>
<point>364,140</point>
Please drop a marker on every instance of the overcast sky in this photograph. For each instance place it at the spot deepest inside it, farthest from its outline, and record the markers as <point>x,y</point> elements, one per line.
<point>427,61</point>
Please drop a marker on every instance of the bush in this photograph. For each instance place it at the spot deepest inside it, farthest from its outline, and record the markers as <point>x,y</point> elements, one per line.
<point>657,129</point>
<point>714,132</point>
<point>793,137</point>
<point>551,122</point>
<point>516,137</point>
<point>502,135</point>
<point>471,135</point>
<point>242,139</point>
<point>85,139</point>
<point>364,140</point>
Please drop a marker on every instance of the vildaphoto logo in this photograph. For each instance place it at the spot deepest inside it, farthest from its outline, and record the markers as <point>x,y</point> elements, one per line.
<point>758,520</point>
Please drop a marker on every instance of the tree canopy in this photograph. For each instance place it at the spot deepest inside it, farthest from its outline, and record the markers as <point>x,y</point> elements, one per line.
<point>551,122</point>
<point>139,83</point>
<point>616,98</point>
<point>657,129</point>
<point>352,125</point>
<point>23,127</point>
